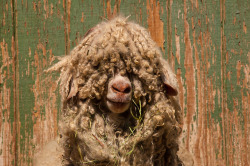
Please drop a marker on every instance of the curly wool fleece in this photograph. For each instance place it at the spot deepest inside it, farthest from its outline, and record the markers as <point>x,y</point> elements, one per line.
<point>146,134</point>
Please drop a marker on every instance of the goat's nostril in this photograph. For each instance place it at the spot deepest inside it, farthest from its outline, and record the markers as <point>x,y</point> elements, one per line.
<point>120,87</point>
<point>127,90</point>
<point>115,89</point>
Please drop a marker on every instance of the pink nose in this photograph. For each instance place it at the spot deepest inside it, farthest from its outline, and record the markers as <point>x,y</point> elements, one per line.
<point>121,87</point>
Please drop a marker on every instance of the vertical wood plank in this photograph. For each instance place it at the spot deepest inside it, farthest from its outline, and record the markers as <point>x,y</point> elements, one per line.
<point>7,81</point>
<point>216,121</point>
<point>201,79</point>
<point>237,73</point>
<point>40,36</point>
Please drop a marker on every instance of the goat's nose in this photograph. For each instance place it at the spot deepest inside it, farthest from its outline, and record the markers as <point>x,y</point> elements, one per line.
<point>121,87</point>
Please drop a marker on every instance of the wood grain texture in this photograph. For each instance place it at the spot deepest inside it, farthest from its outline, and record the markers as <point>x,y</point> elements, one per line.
<point>206,42</point>
<point>7,84</point>
<point>41,29</point>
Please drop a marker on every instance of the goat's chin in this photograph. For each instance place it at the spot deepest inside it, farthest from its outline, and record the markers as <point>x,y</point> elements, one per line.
<point>117,107</point>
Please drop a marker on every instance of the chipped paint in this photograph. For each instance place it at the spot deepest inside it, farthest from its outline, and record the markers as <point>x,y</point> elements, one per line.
<point>206,42</point>
<point>116,8</point>
<point>170,56</point>
<point>177,43</point>
<point>244,27</point>
<point>155,24</point>
<point>6,93</point>
<point>181,91</point>
<point>190,78</point>
<point>197,146</point>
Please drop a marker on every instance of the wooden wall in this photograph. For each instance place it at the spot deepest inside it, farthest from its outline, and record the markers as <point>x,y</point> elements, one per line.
<point>206,42</point>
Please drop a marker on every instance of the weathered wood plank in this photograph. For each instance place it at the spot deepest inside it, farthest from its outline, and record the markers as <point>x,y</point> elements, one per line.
<point>196,62</point>
<point>7,84</point>
<point>206,42</point>
<point>237,74</point>
<point>40,36</point>
<point>211,93</point>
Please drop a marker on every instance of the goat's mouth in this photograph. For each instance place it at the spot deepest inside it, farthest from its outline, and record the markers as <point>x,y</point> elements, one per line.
<point>118,106</point>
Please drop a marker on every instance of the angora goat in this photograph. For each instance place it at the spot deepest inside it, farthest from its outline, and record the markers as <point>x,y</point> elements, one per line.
<point>119,105</point>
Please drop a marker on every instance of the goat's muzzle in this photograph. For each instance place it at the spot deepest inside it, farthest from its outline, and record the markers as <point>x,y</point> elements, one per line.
<point>119,94</point>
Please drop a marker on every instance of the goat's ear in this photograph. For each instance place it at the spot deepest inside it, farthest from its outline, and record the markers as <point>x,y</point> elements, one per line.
<point>73,89</point>
<point>168,78</point>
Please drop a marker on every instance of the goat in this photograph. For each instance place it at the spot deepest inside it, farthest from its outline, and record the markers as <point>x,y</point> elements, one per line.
<point>119,100</point>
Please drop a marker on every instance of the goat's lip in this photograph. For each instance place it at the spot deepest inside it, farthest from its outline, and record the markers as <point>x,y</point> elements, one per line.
<point>118,104</point>
<point>118,101</point>
<point>117,107</point>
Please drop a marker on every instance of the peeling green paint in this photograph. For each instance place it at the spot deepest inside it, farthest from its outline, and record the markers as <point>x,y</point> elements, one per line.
<point>219,42</point>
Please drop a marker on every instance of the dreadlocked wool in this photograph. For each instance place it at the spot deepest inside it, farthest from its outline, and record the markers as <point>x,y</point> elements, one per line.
<point>147,133</point>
